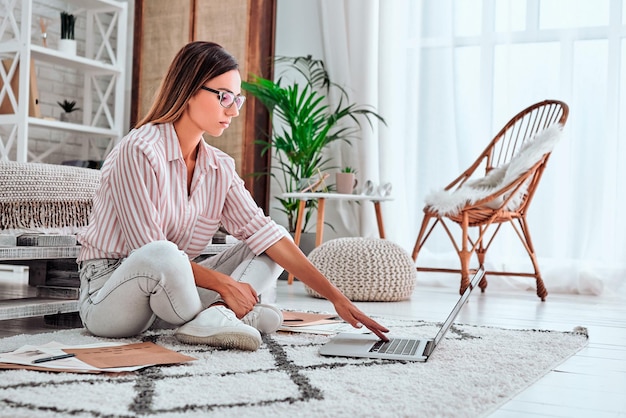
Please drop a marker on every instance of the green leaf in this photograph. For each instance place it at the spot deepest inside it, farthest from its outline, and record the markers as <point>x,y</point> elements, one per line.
<point>304,124</point>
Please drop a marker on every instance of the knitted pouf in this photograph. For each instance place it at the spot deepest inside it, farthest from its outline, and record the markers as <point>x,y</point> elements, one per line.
<point>366,269</point>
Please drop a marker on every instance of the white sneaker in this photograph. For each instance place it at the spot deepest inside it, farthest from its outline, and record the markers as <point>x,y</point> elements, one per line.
<point>266,318</point>
<point>218,326</point>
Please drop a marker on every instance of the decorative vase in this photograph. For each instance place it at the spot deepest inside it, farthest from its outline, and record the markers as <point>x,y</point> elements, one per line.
<point>67,46</point>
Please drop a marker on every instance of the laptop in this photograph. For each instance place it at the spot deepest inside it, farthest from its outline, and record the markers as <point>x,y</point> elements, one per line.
<point>397,348</point>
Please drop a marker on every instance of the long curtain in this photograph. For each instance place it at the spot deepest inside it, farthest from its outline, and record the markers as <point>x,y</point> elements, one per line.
<point>447,75</point>
<point>356,69</point>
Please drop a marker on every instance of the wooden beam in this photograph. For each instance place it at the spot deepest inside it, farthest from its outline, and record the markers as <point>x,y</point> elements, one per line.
<point>260,59</point>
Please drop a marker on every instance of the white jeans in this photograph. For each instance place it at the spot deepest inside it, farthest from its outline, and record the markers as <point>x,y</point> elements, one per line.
<point>122,298</point>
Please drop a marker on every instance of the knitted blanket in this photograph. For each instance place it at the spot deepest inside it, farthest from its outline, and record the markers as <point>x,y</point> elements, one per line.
<point>36,195</point>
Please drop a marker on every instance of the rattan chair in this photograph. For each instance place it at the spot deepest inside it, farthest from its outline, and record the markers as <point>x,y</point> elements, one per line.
<point>480,220</point>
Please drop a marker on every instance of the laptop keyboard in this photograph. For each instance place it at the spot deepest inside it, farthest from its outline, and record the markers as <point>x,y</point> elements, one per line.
<point>401,346</point>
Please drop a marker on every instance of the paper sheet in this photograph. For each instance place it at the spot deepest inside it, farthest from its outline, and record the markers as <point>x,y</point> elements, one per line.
<point>91,358</point>
<point>314,323</point>
<point>300,319</point>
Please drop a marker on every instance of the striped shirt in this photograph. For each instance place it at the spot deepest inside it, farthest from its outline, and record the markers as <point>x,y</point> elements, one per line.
<point>143,198</point>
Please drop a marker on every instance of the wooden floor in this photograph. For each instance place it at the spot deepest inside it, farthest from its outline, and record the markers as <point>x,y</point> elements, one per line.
<point>592,383</point>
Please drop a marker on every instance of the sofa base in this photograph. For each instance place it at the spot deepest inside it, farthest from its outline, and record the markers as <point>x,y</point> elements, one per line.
<point>53,278</point>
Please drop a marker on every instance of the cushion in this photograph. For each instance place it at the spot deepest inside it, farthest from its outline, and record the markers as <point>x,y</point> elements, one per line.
<point>366,269</point>
<point>38,195</point>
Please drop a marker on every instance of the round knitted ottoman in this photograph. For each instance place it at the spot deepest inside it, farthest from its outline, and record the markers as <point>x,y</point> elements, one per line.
<point>366,269</point>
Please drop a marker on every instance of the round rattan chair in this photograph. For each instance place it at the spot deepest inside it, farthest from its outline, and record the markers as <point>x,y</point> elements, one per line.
<point>479,220</point>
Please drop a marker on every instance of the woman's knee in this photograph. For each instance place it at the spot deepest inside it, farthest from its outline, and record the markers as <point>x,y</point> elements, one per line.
<point>162,256</point>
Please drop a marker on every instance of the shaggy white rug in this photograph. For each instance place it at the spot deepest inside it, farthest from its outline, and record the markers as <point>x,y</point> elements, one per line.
<point>472,372</point>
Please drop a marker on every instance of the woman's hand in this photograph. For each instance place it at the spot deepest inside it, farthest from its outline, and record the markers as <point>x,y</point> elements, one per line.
<point>237,296</point>
<point>353,315</point>
<point>289,256</point>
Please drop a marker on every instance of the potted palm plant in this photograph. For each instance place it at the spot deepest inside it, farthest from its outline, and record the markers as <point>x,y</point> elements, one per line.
<point>304,124</point>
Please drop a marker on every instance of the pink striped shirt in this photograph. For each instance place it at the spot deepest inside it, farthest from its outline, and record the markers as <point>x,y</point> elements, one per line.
<point>143,198</point>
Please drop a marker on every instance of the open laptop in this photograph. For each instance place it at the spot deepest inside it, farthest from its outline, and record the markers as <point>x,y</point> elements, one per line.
<point>397,348</point>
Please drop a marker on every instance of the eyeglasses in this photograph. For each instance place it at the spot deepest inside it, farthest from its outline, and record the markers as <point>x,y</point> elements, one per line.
<point>227,99</point>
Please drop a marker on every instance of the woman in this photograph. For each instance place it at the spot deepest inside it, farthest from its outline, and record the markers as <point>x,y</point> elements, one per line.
<point>164,192</point>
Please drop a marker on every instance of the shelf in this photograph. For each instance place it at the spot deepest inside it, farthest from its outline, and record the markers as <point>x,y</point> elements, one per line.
<point>52,253</point>
<point>38,253</point>
<point>60,126</point>
<point>71,127</point>
<point>53,56</point>
<point>94,4</point>
<point>28,307</point>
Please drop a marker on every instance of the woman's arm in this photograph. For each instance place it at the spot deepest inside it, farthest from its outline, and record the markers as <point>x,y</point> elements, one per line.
<point>288,255</point>
<point>239,297</point>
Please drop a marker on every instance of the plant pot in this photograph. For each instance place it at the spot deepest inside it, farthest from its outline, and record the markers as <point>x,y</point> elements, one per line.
<point>67,46</point>
<point>68,117</point>
<point>345,182</point>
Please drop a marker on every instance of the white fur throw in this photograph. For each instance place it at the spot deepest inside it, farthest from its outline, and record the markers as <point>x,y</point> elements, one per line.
<point>36,195</point>
<point>450,202</point>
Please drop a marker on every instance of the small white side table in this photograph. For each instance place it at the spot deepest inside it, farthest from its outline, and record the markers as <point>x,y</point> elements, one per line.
<point>321,198</point>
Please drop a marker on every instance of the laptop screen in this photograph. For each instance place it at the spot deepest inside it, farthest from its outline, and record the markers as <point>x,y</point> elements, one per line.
<point>446,325</point>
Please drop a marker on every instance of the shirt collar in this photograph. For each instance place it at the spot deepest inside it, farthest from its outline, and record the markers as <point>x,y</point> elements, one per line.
<point>206,156</point>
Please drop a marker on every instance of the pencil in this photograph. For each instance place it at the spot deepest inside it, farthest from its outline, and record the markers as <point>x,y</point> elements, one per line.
<point>52,358</point>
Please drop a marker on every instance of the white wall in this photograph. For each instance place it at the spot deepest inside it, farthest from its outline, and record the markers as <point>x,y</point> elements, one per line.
<point>298,30</point>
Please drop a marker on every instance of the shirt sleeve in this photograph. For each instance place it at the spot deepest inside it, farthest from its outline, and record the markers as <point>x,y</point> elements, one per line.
<point>245,220</point>
<point>135,191</point>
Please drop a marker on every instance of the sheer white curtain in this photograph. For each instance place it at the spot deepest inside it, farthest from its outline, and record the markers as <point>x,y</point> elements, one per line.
<point>446,75</point>
<point>505,55</point>
<point>359,51</point>
<point>356,69</point>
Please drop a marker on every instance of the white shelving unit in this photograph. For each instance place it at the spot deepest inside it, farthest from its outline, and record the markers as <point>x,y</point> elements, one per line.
<point>102,67</point>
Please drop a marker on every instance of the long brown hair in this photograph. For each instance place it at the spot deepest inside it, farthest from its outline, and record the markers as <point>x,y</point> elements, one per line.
<point>195,64</point>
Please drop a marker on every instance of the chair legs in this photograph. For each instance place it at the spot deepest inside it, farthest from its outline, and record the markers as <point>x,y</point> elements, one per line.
<point>542,292</point>
<point>467,249</point>
<point>464,255</point>
<point>421,237</point>
<point>480,253</point>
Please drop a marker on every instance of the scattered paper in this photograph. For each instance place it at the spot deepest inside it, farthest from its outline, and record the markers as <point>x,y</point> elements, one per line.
<point>314,323</point>
<point>91,358</point>
<point>299,319</point>
<point>128,355</point>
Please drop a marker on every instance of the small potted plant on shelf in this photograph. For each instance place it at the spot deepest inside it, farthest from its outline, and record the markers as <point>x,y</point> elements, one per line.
<point>68,107</point>
<point>345,180</point>
<point>67,43</point>
<point>304,124</point>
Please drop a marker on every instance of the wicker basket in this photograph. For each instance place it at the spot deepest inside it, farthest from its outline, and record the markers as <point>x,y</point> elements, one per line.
<point>366,269</point>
